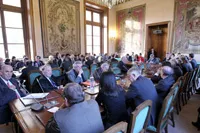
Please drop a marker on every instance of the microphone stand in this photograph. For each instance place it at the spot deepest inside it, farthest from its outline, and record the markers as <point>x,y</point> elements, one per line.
<point>47,104</point>
<point>35,106</point>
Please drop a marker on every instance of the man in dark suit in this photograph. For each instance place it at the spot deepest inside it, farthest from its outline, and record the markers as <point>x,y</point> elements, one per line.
<point>47,81</point>
<point>79,116</point>
<point>76,74</point>
<point>97,74</point>
<point>26,71</point>
<point>9,90</point>
<point>141,89</point>
<point>38,62</point>
<point>164,85</point>
<point>193,61</point>
<point>186,65</point>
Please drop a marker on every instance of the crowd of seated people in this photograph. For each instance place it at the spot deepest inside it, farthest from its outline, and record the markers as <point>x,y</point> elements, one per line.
<point>117,104</point>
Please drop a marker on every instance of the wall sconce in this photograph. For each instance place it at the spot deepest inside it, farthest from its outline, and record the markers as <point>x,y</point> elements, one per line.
<point>112,35</point>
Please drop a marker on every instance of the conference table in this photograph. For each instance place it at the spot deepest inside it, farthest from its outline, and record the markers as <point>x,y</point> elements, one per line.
<point>34,122</point>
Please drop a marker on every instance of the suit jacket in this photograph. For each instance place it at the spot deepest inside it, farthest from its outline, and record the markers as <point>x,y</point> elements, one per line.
<point>82,117</point>
<point>73,77</point>
<point>97,74</point>
<point>186,67</point>
<point>46,84</point>
<point>123,67</point>
<point>163,87</point>
<point>194,63</point>
<point>177,72</point>
<point>7,95</point>
<point>140,90</point>
<point>66,66</point>
<point>38,63</point>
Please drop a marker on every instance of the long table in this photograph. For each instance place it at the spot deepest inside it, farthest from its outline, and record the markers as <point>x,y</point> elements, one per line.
<point>34,122</point>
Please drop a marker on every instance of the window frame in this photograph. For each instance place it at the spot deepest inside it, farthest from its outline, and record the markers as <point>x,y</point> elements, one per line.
<point>25,29</point>
<point>92,23</point>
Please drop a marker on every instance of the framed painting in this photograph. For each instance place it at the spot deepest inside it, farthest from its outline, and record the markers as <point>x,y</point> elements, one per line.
<point>60,20</point>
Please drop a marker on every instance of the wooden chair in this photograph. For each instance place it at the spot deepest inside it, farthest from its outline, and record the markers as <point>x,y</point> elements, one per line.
<point>114,64</point>
<point>86,73</point>
<point>140,117</point>
<point>177,103</point>
<point>93,67</point>
<point>196,81</point>
<point>163,116</point>
<point>175,89</point>
<point>120,127</point>
<point>56,72</point>
<point>31,77</point>
<point>116,70</point>
<point>183,87</point>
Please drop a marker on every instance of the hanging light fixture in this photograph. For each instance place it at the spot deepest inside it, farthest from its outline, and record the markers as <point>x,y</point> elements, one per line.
<point>109,3</point>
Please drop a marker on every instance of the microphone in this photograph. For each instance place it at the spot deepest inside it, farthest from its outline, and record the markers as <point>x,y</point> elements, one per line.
<point>35,106</point>
<point>47,104</point>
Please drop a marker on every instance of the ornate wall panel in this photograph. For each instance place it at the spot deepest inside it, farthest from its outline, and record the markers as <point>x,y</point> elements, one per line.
<point>60,26</point>
<point>130,26</point>
<point>187,26</point>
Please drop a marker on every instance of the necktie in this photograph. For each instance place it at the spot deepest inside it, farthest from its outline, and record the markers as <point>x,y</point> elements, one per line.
<point>53,83</point>
<point>16,92</point>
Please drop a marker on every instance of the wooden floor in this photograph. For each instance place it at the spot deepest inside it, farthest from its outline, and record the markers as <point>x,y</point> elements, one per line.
<point>183,120</point>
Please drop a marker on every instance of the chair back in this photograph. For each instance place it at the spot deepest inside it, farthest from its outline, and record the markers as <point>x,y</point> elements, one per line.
<point>113,64</point>
<point>56,72</point>
<point>93,67</point>
<point>184,82</point>
<point>31,77</point>
<point>120,127</point>
<point>175,89</point>
<point>116,70</point>
<point>140,117</point>
<point>164,113</point>
<point>86,73</point>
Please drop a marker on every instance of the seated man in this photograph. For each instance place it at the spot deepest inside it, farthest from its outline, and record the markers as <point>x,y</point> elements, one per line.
<point>97,74</point>
<point>141,89</point>
<point>76,74</point>
<point>9,90</point>
<point>164,85</point>
<point>47,81</point>
<point>193,61</point>
<point>79,117</point>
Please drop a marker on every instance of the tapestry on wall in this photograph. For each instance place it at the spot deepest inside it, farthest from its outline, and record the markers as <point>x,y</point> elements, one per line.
<point>60,26</point>
<point>130,26</point>
<point>187,26</point>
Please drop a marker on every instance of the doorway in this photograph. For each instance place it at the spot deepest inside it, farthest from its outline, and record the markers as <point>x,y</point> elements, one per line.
<point>157,38</point>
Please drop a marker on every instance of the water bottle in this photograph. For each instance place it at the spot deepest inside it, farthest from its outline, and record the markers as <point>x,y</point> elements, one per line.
<point>92,82</point>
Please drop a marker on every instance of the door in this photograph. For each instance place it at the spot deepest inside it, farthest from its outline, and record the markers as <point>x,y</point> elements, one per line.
<point>157,38</point>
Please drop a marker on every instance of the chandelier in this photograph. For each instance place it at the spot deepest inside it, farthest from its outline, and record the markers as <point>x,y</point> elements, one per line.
<point>109,3</point>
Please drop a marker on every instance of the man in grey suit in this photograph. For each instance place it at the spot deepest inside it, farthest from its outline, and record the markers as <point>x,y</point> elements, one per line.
<point>79,117</point>
<point>76,74</point>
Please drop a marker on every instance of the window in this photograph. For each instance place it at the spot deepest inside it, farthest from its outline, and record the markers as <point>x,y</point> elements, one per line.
<point>93,32</point>
<point>12,40</point>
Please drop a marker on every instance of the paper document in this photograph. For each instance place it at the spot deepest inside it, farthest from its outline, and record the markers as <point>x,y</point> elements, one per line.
<point>53,110</point>
<point>36,95</point>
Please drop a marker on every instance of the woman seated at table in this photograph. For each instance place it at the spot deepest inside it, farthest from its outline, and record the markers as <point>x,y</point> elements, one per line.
<point>112,97</point>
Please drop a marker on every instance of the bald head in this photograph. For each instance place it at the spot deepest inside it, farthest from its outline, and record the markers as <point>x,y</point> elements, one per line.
<point>6,72</point>
<point>166,71</point>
